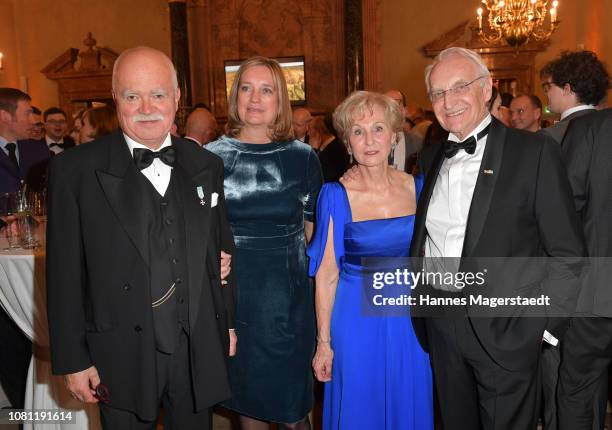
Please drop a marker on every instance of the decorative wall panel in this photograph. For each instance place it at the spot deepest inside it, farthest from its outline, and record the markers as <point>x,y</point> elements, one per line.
<point>239,29</point>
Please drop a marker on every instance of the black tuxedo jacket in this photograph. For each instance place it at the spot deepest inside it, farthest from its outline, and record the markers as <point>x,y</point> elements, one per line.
<point>522,209</point>
<point>557,131</point>
<point>99,300</point>
<point>587,148</point>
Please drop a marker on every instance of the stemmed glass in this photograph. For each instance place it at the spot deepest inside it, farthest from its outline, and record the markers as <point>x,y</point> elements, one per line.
<point>8,209</point>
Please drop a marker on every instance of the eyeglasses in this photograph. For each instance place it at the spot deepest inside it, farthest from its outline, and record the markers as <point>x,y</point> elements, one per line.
<point>456,90</point>
<point>56,121</point>
<point>546,86</point>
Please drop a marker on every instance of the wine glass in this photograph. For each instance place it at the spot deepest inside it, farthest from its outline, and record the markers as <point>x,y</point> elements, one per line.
<point>8,207</point>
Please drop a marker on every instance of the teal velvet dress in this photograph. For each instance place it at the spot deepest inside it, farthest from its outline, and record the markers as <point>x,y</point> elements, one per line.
<point>270,189</point>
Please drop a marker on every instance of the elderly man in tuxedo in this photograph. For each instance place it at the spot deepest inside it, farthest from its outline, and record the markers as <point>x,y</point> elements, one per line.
<point>138,315</point>
<point>491,191</point>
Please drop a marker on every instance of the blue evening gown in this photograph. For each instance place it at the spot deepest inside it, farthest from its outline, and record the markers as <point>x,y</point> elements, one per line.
<point>381,377</point>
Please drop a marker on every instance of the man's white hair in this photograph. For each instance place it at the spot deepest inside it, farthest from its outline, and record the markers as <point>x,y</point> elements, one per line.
<point>461,52</point>
<point>140,48</point>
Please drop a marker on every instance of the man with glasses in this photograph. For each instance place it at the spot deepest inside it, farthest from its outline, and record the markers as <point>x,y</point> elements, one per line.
<point>56,127</point>
<point>490,191</point>
<point>574,84</point>
<point>526,112</point>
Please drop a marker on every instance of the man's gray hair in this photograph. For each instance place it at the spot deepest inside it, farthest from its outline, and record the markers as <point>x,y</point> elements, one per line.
<point>128,51</point>
<point>457,51</point>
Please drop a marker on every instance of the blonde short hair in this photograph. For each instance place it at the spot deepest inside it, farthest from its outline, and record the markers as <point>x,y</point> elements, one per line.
<point>360,102</point>
<point>281,128</point>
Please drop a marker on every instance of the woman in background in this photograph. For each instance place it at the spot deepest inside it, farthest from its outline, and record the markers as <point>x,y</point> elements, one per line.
<point>96,122</point>
<point>271,186</point>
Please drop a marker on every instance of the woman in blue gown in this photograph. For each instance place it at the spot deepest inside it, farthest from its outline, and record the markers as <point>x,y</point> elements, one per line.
<point>376,374</point>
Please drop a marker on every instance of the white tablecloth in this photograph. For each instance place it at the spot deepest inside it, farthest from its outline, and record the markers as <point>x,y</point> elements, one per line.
<point>23,297</point>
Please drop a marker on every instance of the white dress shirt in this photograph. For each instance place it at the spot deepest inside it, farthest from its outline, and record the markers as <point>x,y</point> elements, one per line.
<point>158,173</point>
<point>451,198</point>
<point>570,111</point>
<point>55,149</point>
<point>399,152</point>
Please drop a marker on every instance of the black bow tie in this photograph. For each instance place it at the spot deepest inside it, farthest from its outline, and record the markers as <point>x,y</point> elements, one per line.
<point>60,145</point>
<point>468,145</point>
<point>144,157</point>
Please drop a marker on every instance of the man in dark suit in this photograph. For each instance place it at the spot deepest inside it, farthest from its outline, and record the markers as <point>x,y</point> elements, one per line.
<point>56,127</point>
<point>136,224</point>
<point>587,349</point>
<point>201,126</point>
<point>16,157</point>
<point>19,153</point>
<point>491,192</point>
<point>574,83</point>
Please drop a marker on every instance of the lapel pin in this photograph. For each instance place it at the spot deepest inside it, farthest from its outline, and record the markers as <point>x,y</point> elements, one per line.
<point>487,172</point>
<point>200,191</point>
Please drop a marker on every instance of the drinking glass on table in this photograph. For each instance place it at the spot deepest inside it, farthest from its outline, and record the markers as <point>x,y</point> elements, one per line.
<point>8,207</point>
<point>23,212</point>
<point>38,203</point>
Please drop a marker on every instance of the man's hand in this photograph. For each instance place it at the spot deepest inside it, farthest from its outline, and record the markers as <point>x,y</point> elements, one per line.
<point>82,384</point>
<point>233,340</point>
<point>226,260</point>
<point>351,174</point>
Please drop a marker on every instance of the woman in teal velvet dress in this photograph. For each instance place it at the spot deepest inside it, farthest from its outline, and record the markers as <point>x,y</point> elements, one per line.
<point>271,186</point>
<point>376,374</point>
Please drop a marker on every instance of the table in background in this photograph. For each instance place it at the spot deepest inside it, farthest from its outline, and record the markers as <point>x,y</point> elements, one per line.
<point>23,297</point>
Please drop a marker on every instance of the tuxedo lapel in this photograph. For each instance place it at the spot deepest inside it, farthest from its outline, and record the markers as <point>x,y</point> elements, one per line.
<point>490,168</point>
<point>126,193</point>
<point>420,231</point>
<point>197,220</point>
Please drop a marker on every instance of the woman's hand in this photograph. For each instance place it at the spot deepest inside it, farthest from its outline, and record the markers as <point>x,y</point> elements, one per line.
<point>322,362</point>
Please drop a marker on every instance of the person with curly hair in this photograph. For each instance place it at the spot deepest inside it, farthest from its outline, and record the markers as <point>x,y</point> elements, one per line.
<point>574,84</point>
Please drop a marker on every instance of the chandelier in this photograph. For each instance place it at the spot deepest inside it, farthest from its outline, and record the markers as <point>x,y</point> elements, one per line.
<point>517,21</point>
